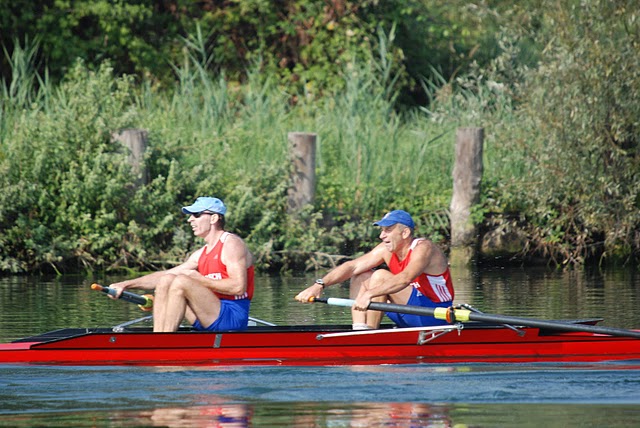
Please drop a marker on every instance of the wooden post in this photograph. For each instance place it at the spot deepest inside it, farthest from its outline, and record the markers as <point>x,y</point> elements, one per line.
<point>135,140</point>
<point>302,191</point>
<point>467,175</point>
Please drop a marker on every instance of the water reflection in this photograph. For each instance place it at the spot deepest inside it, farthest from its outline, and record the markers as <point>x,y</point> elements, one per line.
<point>414,395</point>
<point>392,415</point>
<point>348,415</point>
<point>242,415</point>
<point>211,415</point>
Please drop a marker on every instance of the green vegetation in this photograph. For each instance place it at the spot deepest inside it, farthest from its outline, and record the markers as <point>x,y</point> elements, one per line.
<point>555,94</point>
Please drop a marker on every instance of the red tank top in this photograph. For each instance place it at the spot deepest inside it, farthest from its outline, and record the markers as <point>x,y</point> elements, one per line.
<point>438,288</point>
<point>210,265</point>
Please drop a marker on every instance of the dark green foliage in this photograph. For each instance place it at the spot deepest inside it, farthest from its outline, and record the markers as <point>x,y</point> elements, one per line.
<point>582,173</point>
<point>219,85</point>
<point>302,43</point>
<point>67,186</point>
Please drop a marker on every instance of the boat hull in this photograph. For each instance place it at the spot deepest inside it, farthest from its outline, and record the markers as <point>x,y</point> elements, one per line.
<point>316,346</point>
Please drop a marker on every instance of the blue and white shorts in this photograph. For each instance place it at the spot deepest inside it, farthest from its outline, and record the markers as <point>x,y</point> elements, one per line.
<point>234,315</point>
<point>410,320</point>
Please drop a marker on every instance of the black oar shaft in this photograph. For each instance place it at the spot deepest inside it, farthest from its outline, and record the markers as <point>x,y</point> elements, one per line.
<point>464,315</point>
<point>145,302</point>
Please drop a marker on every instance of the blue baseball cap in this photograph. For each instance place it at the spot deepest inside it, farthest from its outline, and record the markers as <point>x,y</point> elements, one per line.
<point>206,203</point>
<point>396,216</point>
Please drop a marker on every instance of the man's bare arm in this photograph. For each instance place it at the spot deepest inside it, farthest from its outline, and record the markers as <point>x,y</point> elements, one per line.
<point>345,271</point>
<point>149,282</point>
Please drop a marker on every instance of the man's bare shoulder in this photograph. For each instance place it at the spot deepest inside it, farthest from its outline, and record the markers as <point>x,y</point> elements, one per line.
<point>381,252</point>
<point>235,248</point>
<point>436,259</point>
<point>234,240</point>
<point>424,242</point>
<point>428,246</point>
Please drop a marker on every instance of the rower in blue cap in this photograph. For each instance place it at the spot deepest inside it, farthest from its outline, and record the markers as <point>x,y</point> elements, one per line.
<point>418,274</point>
<point>213,288</point>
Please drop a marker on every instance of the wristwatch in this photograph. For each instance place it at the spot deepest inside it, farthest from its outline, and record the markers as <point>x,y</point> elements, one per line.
<point>321,282</point>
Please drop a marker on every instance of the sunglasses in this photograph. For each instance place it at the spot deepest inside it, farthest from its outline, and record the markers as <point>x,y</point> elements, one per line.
<point>197,215</point>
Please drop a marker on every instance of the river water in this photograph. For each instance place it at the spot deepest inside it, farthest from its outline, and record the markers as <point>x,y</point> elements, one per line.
<point>458,395</point>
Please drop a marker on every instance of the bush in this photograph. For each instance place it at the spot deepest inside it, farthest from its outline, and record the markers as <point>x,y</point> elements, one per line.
<point>67,186</point>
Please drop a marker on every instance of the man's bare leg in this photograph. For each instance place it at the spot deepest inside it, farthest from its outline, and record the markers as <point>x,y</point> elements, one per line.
<point>364,319</point>
<point>188,298</point>
<point>358,282</point>
<point>374,318</point>
<point>160,299</point>
<point>176,304</point>
<point>202,305</point>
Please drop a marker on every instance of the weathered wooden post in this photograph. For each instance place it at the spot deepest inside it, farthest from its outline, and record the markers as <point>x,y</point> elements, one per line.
<point>135,140</point>
<point>302,146</point>
<point>467,175</point>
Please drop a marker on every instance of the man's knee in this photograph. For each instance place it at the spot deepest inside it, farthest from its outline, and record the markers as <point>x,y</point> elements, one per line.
<point>181,282</point>
<point>176,285</point>
<point>363,281</point>
<point>379,274</point>
<point>164,283</point>
<point>361,278</point>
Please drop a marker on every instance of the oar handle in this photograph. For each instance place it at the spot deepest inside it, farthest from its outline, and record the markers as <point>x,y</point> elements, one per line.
<point>144,302</point>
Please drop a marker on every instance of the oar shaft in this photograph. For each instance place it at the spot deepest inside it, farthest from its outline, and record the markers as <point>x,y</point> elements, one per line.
<point>465,315</point>
<point>145,302</point>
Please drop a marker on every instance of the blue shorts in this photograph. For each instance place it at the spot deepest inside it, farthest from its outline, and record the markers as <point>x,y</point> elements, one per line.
<point>409,320</point>
<point>234,315</point>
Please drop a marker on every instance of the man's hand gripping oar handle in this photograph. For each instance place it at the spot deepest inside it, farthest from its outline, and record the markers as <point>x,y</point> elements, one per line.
<point>144,302</point>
